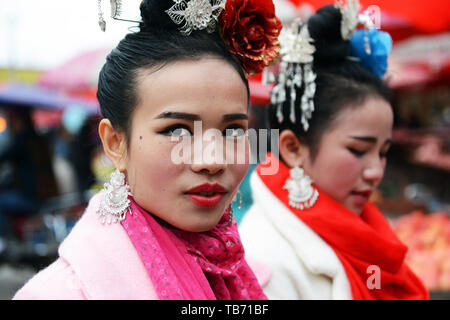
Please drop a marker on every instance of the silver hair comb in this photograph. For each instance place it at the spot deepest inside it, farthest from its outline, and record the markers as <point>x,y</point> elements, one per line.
<point>196,14</point>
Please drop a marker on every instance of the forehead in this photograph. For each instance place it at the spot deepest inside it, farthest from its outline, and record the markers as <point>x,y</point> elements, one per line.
<point>374,117</point>
<point>203,86</point>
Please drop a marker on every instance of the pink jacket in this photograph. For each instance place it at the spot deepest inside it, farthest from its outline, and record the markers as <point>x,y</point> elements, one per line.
<point>97,262</point>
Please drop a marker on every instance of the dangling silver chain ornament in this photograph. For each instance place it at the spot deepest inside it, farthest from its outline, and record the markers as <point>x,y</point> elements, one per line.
<point>115,203</point>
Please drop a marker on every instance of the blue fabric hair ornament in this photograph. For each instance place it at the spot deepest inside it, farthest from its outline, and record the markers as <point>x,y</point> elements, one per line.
<point>380,45</point>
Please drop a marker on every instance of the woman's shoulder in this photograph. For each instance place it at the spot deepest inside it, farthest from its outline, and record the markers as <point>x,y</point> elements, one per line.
<point>59,280</point>
<point>100,258</point>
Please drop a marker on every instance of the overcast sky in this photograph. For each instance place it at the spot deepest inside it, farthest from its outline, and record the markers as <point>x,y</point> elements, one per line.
<point>41,34</point>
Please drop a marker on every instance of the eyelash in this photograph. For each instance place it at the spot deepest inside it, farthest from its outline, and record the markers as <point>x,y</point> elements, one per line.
<point>357,152</point>
<point>234,127</point>
<point>362,153</point>
<point>170,130</point>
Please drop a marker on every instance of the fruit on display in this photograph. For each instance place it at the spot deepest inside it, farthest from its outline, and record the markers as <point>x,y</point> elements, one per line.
<point>428,239</point>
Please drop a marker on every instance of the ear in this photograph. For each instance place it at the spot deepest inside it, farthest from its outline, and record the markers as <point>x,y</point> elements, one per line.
<point>292,151</point>
<point>114,144</point>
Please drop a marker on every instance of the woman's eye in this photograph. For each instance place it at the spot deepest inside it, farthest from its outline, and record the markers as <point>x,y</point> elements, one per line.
<point>357,152</point>
<point>234,131</point>
<point>177,131</point>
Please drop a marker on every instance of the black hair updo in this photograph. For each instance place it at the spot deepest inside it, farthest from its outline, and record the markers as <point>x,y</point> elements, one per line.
<point>341,82</point>
<point>157,43</point>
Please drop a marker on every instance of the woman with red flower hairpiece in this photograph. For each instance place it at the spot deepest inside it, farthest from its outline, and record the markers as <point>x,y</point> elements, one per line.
<point>163,227</point>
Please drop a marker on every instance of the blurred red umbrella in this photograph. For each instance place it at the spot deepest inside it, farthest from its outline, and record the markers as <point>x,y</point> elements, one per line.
<point>78,76</point>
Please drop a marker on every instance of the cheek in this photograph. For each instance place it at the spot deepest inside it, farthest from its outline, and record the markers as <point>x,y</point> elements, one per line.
<point>237,155</point>
<point>339,176</point>
<point>149,166</point>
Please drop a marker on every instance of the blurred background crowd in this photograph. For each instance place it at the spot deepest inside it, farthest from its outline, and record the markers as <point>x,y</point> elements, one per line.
<point>51,159</point>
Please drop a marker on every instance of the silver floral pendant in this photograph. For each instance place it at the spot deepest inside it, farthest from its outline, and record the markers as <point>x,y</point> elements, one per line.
<point>115,203</point>
<point>302,195</point>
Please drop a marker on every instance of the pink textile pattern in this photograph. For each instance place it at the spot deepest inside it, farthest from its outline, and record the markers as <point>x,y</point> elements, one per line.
<point>192,265</point>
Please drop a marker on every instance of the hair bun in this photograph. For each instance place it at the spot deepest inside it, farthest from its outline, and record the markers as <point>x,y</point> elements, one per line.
<point>325,28</point>
<point>154,16</point>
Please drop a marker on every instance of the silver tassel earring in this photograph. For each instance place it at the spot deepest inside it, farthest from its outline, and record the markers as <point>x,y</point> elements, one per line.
<point>302,195</point>
<point>115,203</point>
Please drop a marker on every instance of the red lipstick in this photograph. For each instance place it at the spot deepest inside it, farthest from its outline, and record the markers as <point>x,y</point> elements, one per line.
<point>361,197</point>
<point>206,195</point>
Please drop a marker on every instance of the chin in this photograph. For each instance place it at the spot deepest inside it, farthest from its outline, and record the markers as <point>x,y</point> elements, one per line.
<point>201,225</point>
<point>354,209</point>
<point>198,227</point>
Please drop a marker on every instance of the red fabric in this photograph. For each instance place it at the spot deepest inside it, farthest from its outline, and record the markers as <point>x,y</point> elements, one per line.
<point>192,265</point>
<point>358,241</point>
<point>429,16</point>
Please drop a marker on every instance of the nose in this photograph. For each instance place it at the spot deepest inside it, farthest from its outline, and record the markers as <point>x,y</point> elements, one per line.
<point>374,171</point>
<point>211,160</point>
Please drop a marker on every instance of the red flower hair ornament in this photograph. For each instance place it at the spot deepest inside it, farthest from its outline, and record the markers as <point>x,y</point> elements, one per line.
<point>250,28</point>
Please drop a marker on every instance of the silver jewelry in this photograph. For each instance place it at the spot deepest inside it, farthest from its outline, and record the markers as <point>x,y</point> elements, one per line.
<point>230,214</point>
<point>295,72</point>
<point>116,12</point>
<point>351,19</point>
<point>115,203</point>
<point>101,20</point>
<point>302,195</point>
<point>196,14</point>
<point>240,198</point>
<point>116,8</point>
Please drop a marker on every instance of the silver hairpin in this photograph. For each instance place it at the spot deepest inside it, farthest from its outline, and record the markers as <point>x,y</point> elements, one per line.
<point>295,72</point>
<point>351,19</point>
<point>196,14</point>
<point>116,11</point>
<point>116,8</point>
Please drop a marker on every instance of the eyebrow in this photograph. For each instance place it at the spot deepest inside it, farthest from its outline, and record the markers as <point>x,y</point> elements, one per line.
<point>370,139</point>
<point>235,116</point>
<point>178,115</point>
<point>194,117</point>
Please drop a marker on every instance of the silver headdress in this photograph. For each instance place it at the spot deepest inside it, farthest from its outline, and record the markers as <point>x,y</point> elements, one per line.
<point>196,14</point>
<point>296,71</point>
<point>351,19</point>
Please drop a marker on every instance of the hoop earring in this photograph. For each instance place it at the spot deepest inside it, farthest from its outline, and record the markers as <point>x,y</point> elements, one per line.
<point>302,195</point>
<point>115,203</point>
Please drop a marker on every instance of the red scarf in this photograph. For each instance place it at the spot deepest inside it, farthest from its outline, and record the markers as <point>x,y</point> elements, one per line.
<point>192,265</point>
<point>358,241</point>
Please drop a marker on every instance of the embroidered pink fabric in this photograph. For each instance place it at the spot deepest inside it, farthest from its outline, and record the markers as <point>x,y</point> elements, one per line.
<point>192,265</point>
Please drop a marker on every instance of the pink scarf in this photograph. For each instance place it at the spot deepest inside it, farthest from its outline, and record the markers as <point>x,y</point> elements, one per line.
<point>189,265</point>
